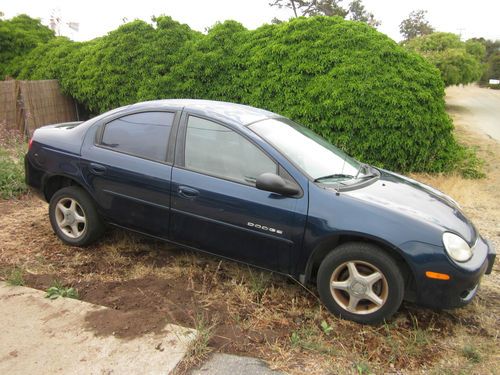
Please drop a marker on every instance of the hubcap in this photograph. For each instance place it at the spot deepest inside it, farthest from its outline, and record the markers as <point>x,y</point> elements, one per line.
<point>70,218</point>
<point>359,287</point>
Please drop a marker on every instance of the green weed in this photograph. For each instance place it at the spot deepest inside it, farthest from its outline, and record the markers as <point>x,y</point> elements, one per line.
<point>362,368</point>
<point>471,353</point>
<point>58,290</point>
<point>326,328</point>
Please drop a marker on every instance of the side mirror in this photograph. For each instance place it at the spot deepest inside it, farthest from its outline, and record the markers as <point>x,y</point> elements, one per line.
<point>275,184</point>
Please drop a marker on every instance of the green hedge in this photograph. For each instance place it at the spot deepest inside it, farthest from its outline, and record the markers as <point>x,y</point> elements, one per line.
<point>18,36</point>
<point>343,79</point>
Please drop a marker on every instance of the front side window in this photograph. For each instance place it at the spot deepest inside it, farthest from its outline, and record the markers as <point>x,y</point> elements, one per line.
<point>141,134</point>
<point>216,150</point>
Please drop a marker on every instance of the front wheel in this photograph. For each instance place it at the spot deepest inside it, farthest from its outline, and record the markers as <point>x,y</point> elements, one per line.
<point>74,217</point>
<point>360,282</point>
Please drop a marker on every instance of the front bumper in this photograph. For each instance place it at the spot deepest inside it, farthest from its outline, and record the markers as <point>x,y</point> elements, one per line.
<point>464,280</point>
<point>490,258</point>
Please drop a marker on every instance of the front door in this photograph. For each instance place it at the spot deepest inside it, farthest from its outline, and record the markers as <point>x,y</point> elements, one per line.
<point>216,206</point>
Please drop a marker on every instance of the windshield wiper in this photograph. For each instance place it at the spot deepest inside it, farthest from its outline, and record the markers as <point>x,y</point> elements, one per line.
<point>330,176</point>
<point>362,167</point>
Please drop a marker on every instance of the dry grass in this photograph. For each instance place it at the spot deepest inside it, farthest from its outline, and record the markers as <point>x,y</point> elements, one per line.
<point>250,312</point>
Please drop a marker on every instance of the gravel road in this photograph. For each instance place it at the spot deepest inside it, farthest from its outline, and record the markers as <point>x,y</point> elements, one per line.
<point>478,106</point>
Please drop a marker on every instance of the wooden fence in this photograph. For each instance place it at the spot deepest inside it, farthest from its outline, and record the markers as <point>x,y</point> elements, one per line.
<point>27,105</point>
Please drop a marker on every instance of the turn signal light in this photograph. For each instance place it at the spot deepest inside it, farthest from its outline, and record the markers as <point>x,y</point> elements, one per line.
<point>437,275</point>
<point>30,143</point>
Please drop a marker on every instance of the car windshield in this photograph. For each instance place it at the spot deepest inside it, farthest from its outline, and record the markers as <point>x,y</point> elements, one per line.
<point>313,154</point>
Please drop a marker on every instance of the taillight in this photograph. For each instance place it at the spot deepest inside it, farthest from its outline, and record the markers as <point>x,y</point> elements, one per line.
<point>30,143</point>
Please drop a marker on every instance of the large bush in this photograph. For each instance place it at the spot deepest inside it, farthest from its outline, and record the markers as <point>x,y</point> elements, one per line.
<point>354,85</point>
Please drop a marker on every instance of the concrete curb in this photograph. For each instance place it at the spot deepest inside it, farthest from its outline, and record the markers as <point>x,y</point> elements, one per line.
<point>227,364</point>
<point>42,336</point>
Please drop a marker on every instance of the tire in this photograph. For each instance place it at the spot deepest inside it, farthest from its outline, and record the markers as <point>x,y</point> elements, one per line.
<point>74,217</point>
<point>358,281</point>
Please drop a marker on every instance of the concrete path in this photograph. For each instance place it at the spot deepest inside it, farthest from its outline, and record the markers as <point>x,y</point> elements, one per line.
<point>42,336</point>
<point>226,364</point>
<point>479,107</point>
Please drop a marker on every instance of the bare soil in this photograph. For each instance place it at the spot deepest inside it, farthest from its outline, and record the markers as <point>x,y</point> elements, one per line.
<point>148,283</point>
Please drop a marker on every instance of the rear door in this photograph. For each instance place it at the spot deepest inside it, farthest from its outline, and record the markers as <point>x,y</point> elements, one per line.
<point>216,206</point>
<point>128,171</point>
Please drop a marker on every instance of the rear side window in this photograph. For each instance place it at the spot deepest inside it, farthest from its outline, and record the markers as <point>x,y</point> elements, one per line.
<point>216,150</point>
<point>141,134</point>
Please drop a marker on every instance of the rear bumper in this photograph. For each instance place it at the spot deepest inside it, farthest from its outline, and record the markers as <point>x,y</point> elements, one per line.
<point>33,178</point>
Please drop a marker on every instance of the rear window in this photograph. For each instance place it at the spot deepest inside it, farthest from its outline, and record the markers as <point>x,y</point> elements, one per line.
<point>143,134</point>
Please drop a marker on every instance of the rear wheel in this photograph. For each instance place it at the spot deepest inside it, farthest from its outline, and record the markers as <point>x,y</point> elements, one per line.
<point>360,282</point>
<point>74,217</point>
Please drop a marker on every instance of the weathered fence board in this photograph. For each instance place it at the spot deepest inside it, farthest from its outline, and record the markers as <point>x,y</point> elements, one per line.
<point>8,111</point>
<point>27,105</point>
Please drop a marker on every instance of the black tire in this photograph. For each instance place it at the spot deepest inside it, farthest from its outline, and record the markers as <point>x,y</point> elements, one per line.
<point>369,260</point>
<point>86,232</point>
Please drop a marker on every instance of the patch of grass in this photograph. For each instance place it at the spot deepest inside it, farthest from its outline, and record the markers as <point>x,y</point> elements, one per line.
<point>199,348</point>
<point>417,339</point>
<point>362,368</point>
<point>310,338</point>
<point>258,283</point>
<point>469,165</point>
<point>58,290</point>
<point>16,277</point>
<point>12,168</point>
<point>471,353</point>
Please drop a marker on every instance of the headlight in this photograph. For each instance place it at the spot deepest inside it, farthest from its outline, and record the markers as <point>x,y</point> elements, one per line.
<point>456,247</point>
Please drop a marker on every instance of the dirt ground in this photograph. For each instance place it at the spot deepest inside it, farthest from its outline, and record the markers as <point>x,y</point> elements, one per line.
<point>250,312</point>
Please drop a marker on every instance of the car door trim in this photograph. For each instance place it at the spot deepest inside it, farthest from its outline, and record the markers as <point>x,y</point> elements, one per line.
<point>135,199</point>
<point>248,230</point>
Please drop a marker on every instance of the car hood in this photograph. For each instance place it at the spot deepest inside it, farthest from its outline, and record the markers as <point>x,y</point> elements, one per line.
<point>418,201</point>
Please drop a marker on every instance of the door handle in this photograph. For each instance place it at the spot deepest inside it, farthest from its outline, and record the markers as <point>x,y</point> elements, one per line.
<point>188,192</point>
<point>97,168</point>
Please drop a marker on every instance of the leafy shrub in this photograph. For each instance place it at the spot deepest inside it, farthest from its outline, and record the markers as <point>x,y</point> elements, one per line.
<point>459,62</point>
<point>343,79</point>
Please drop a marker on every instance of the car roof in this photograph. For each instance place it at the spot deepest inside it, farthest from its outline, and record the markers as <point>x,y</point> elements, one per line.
<point>224,111</point>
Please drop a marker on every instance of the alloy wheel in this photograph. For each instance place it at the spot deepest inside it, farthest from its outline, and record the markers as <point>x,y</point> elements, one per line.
<point>359,287</point>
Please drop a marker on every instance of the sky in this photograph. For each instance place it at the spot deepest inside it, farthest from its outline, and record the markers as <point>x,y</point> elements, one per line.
<point>96,18</point>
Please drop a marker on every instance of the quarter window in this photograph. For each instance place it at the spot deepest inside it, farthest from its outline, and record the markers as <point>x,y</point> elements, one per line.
<point>141,134</point>
<point>216,150</point>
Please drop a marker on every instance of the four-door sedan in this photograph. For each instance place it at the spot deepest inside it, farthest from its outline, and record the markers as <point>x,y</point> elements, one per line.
<point>253,186</point>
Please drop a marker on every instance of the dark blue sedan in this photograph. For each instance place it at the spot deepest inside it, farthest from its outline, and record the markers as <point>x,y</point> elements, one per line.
<point>253,186</point>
